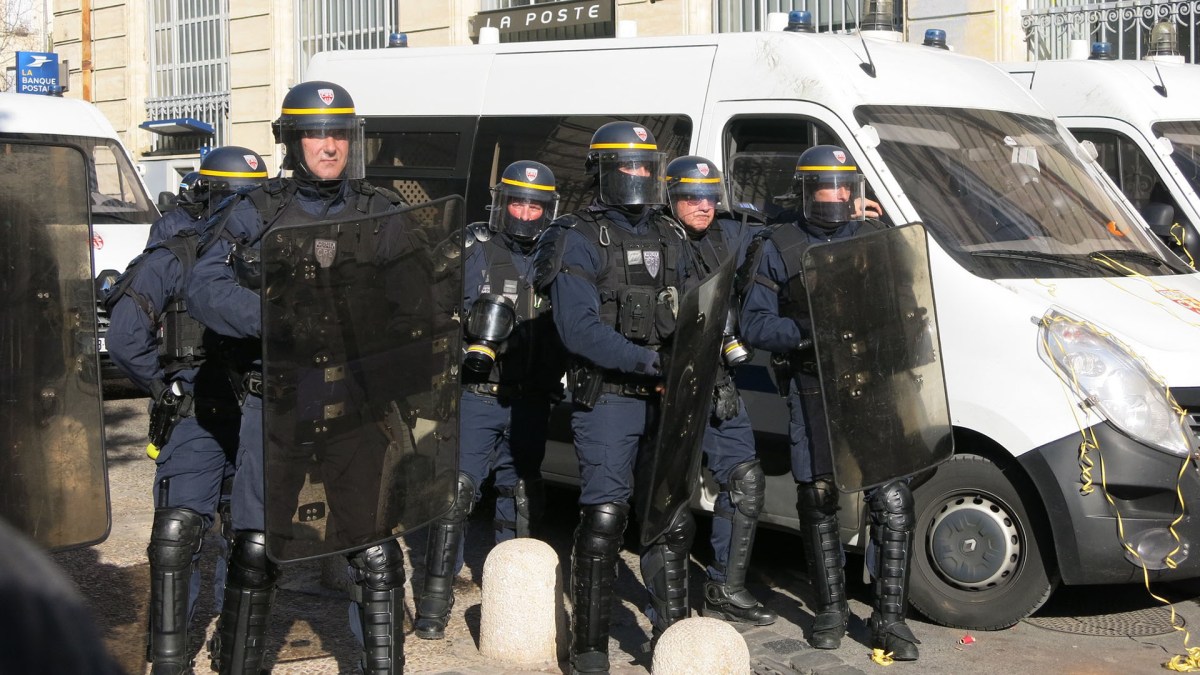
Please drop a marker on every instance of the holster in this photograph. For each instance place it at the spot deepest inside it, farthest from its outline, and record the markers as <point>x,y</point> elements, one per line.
<point>726,402</point>
<point>586,385</point>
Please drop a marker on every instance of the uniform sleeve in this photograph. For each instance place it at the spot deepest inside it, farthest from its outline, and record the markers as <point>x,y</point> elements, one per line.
<point>168,225</point>
<point>132,338</point>
<point>576,304</point>
<point>761,324</point>
<point>214,296</point>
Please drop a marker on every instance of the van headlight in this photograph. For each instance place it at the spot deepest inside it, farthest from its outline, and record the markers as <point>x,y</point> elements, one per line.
<point>1110,378</point>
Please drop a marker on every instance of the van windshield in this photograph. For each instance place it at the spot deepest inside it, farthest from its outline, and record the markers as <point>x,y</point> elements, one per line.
<point>117,194</point>
<point>1006,195</point>
<point>1185,139</point>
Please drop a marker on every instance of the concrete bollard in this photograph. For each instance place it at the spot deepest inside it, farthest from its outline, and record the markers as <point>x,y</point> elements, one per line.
<point>701,645</point>
<point>522,616</point>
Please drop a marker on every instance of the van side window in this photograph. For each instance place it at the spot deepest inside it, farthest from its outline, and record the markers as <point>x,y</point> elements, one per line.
<point>760,159</point>
<point>561,143</point>
<point>421,158</point>
<point>1124,163</point>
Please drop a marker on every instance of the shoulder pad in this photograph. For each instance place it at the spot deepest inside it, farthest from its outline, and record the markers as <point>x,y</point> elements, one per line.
<point>392,196</point>
<point>568,221</point>
<point>477,231</point>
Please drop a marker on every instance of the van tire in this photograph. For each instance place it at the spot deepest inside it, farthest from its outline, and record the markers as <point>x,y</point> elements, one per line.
<point>968,505</point>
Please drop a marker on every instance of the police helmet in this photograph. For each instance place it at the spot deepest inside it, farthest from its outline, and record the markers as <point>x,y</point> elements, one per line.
<point>188,182</point>
<point>229,168</point>
<point>193,194</point>
<point>627,164</point>
<point>694,178</point>
<point>320,110</point>
<point>829,183</point>
<point>524,201</point>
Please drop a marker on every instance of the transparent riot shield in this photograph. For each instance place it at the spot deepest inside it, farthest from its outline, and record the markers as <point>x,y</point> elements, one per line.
<point>361,344</point>
<point>669,463</point>
<point>878,356</point>
<point>53,485</point>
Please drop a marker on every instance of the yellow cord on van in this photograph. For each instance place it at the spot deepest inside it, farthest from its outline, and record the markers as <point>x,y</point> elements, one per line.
<point>1177,235</point>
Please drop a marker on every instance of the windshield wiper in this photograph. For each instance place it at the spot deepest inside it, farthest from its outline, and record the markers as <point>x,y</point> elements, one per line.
<point>1035,256</point>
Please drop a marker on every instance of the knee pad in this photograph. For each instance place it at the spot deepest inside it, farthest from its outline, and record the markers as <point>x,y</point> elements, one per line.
<point>249,566</point>
<point>175,538</point>
<point>678,537</point>
<point>747,488</point>
<point>820,496</point>
<point>601,527</point>
<point>464,500</point>
<point>892,506</point>
<point>379,568</point>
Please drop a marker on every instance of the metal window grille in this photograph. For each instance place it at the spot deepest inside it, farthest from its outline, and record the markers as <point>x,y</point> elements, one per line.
<point>735,16</point>
<point>1051,25</point>
<point>327,25</point>
<point>189,68</point>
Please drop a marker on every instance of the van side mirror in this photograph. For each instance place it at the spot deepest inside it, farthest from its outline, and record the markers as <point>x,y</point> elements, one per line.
<point>166,201</point>
<point>1160,217</point>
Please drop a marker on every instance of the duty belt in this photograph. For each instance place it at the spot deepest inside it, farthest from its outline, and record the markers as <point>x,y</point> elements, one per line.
<point>629,389</point>
<point>252,383</point>
<point>504,390</point>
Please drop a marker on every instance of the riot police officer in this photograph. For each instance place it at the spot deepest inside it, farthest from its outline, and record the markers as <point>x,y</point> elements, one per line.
<point>695,193</point>
<point>194,414</point>
<point>190,205</point>
<point>512,374</point>
<point>323,144</point>
<point>612,269</point>
<point>776,317</point>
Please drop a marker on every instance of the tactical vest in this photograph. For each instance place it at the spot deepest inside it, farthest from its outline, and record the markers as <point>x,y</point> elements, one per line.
<point>638,278</point>
<point>710,250</point>
<point>528,356</point>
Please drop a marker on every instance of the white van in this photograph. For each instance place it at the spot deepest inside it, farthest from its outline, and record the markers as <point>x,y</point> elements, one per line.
<point>121,210</point>
<point>1061,320</point>
<point>1144,119</point>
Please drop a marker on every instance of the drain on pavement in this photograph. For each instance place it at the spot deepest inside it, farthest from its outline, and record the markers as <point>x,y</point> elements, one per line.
<point>1138,623</point>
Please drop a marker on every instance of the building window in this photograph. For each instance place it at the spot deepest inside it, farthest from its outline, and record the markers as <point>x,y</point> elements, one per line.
<point>737,16</point>
<point>189,69</point>
<point>328,25</point>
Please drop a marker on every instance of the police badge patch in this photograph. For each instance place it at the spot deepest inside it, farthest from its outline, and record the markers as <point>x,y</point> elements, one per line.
<point>531,174</point>
<point>652,259</point>
<point>326,95</point>
<point>251,161</point>
<point>325,251</point>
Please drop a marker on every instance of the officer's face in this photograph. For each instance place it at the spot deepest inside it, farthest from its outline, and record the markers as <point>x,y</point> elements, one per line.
<point>326,152</point>
<point>830,193</point>
<point>640,169</point>
<point>696,213</point>
<point>525,209</point>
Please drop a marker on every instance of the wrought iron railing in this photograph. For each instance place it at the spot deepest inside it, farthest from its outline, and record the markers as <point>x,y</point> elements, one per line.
<point>1051,25</point>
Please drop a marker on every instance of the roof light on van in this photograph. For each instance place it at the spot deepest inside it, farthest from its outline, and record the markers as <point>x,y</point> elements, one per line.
<point>1101,51</point>
<point>799,21</point>
<point>398,40</point>
<point>489,35</point>
<point>935,37</point>
<point>1164,43</point>
<point>879,21</point>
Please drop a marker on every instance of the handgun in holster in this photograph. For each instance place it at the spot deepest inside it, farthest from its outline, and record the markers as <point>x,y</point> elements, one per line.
<point>586,385</point>
<point>164,415</point>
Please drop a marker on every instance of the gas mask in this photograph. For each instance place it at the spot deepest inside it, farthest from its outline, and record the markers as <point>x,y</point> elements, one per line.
<point>490,321</point>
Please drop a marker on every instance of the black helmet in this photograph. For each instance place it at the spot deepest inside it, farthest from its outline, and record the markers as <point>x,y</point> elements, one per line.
<point>824,167</point>
<point>230,168</point>
<point>524,183</point>
<point>193,194</point>
<point>188,182</point>
<point>627,163</point>
<point>694,177</point>
<point>316,110</point>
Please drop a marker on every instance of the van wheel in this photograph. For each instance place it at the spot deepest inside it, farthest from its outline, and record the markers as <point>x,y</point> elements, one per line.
<point>976,559</point>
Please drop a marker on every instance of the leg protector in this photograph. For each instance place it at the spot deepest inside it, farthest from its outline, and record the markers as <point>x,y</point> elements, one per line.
<point>892,521</point>
<point>175,539</point>
<point>238,646</point>
<point>731,601</point>
<point>817,505</point>
<point>593,574</point>
<point>665,572</point>
<point>379,593</point>
<point>441,563</point>
<point>528,502</point>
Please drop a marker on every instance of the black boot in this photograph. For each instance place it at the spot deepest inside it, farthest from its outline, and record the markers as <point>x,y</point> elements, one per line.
<point>238,646</point>
<point>817,506</point>
<point>593,574</point>
<point>175,539</point>
<point>730,600</point>
<point>379,593</point>
<point>441,559</point>
<point>892,520</point>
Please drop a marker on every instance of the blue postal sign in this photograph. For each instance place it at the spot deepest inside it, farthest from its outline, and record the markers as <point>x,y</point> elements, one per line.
<point>37,73</point>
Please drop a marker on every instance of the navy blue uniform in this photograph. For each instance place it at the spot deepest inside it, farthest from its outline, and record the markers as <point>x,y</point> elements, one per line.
<point>171,223</point>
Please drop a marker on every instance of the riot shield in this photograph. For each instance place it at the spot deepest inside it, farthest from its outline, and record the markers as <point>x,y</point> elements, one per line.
<point>53,483</point>
<point>361,343</point>
<point>668,464</point>
<point>878,356</point>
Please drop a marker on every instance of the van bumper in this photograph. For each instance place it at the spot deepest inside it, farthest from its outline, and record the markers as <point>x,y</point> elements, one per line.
<point>1143,483</point>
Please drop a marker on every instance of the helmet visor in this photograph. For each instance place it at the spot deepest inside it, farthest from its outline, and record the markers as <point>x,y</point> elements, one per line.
<point>696,192</point>
<point>522,213</point>
<point>632,177</point>
<point>329,147</point>
<point>833,197</point>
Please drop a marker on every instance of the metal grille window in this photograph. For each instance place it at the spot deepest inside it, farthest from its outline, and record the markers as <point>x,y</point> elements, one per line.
<point>736,16</point>
<point>327,25</point>
<point>189,68</point>
<point>1051,26</point>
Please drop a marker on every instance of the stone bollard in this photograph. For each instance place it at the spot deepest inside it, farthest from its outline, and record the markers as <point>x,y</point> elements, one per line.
<point>522,617</point>
<point>701,645</point>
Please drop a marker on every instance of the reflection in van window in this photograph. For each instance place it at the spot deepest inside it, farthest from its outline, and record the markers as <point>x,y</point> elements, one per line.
<point>561,143</point>
<point>1007,196</point>
<point>116,194</point>
<point>1185,137</point>
<point>760,159</point>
